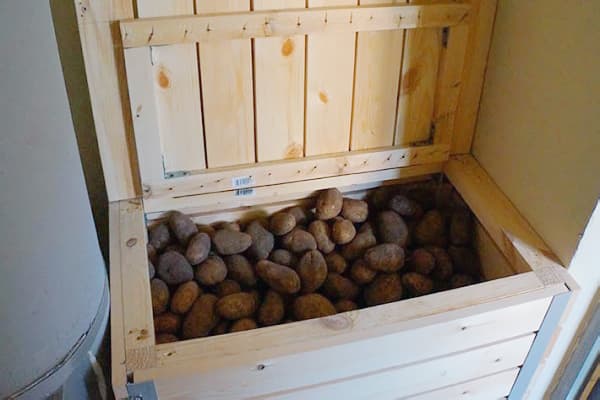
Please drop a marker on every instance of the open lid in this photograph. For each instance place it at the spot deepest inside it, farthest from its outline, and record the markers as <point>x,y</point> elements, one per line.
<point>232,106</point>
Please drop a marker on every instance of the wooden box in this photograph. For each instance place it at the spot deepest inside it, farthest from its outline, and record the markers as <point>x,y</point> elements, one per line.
<point>221,111</point>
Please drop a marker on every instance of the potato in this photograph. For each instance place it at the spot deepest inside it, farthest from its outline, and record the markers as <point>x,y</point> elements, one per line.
<point>211,271</point>
<point>240,270</point>
<point>361,273</point>
<point>236,306</point>
<point>461,228</point>
<point>230,226</point>
<point>282,223</point>
<point>385,288</point>
<point>338,287</point>
<point>184,297</point>
<point>182,226</point>
<point>345,305</point>
<point>422,261</point>
<point>257,296</point>
<point>152,253</point>
<point>160,296</point>
<point>272,310</point>
<point>443,195</point>
<point>443,264</point>
<point>387,257</point>
<point>174,269</point>
<point>312,306</point>
<point>322,234</point>
<point>312,270</point>
<point>209,230</point>
<point>222,328</point>
<point>342,231</point>
<point>198,248</point>
<point>358,246</point>
<point>279,278</point>
<point>391,228</point>
<point>201,318</point>
<point>465,260</point>
<point>355,211</point>
<point>244,324</point>
<point>329,204</point>
<point>262,241</point>
<point>284,257</point>
<point>405,207</point>
<point>299,213</point>
<point>299,241</point>
<point>176,247</point>
<point>151,269</point>
<point>366,228</point>
<point>424,195</point>
<point>417,284</point>
<point>227,287</point>
<point>228,242</point>
<point>336,263</point>
<point>430,228</point>
<point>379,198</point>
<point>159,236</point>
<point>164,338</point>
<point>461,280</point>
<point>167,323</point>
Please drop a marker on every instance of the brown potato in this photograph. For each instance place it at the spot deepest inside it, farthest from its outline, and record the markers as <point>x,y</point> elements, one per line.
<point>366,228</point>
<point>322,234</point>
<point>176,247</point>
<point>336,263</point>
<point>182,226</point>
<point>299,213</point>
<point>222,328</point>
<point>465,260</point>
<point>443,195</point>
<point>211,271</point>
<point>198,248</point>
<point>284,257</point>
<point>430,228</point>
<point>160,296</point>
<point>174,269</point>
<point>379,198</point>
<point>345,305</point>
<point>417,284</point>
<point>424,195</point>
<point>443,264</point>
<point>272,310</point>
<point>342,231</point>
<point>227,287</point>
<point>230,226</point>
<point>312,306</point>
<point>387,257</point>
<point>355,211</point>
<point>312,270</point>
<point>201,318</point>
<point>262,241</point>
<point>164,338</point>
<point>359,245</point>
<point>244,324</point>
<point>405,207</point>
<point>159,236</point>
<point>461,280</point>
<point>361,273</point>
<point>299,241</point>
<point>236,306</point>
<point>184,297</point>
<point>151,270</point>
<point>228,242</point>
<point>338,287</point>
<point>385,288</point>
<point>240,270</point>
<point>392,228</point>
<point>152,253</point>
<point>422,261</point>
<point>257,296</point>
<point>167,323</point>
<point>282,223</point>
<point>461,228</point>
<point>209,230</point>
<point>279,277</point>
<point>329,204</point>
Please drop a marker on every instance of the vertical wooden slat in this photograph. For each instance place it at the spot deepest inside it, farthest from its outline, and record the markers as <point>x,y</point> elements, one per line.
<point>279,88</point>
<point>329,75</point>
<point>226,72</point>
<point>176,86</point>
<point>378,62</point>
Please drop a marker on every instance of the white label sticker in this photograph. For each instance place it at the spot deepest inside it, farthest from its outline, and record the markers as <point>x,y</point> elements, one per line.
<point>244,192</point>
<point>242,181</point>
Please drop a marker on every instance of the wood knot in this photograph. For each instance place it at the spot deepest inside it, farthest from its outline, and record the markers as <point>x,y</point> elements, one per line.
<point>323,97</point>
<point>288,47</point>
<point>163,78</point>
<point>411,80</point>
<point>338,322</point>
<point>131,242</point>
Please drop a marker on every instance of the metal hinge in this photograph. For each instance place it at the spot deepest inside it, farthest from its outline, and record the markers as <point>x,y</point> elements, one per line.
<point>428,141</point>
<point>173,174</point>
<point>445,35</point>
<point>142,391</point>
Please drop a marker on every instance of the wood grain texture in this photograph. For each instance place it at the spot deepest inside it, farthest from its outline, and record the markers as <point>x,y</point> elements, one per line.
<point>493,263</point>
<point>377,75</point>
<point>279,90</point>
<point>329,77</point>
<point>227,93</point>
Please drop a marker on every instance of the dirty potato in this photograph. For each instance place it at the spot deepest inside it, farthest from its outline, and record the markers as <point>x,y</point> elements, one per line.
<point>392,228</point>
<point>198,248</point>
<point>361,273</point>
<point>356,211</point>
<point>387,257</point>
<point>201,318</point>
<point>422,261</point>
<point>299,213</point>
<point>227,287</point>
<point>342,231</point>
<point>228,242</point>
<point>240,270</point>
<point>236,306</point>
<point>272,309</point>
<point>385,288</point>
<point>417,284</point>
<point>359,245</point>
<point>244,324</point>
<point>299,241</point>
<point>338,287</point>
<point>461,280</point>
<point>430,229</point>
<point>461,228</point>
<point>329,204</point>
<point>167,323</point>
<point>262,241</point>
<point>221,328</point>
<point>312,270</point>
<point>312,306</point>
<point>174,269</point>
<point>159,236</point>
<point>182,226</point>
<point>405,207</point>
<point>345,305</point>
<point>465,260</point>
<point>443,263</point>
<point>184,297</point>
<point>151,269</point>
<point>336,263</point>
<point>160,296</point>
<point>322,234</point>
<point>282,223</point>
<point>284,257</point>
<point>211,271</point>
<point>279,278</point>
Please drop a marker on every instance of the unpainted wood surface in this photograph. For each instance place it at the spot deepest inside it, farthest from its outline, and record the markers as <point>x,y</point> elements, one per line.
<point>493,263</point>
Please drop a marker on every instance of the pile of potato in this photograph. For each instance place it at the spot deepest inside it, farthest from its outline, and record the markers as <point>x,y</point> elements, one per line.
<point>344,254</point>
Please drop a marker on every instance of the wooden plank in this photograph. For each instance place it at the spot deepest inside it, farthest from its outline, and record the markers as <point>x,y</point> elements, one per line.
<point>176,87</point>
<point>430,375</point>
<point>592,385</point>
<point>279,90</point>
<point>329,77</point>
<point>137,309</point>
<point>494,387</point>
<point>493,263</point>
<point>480,36</point>
<point>322,19</point>
<point>227,93</point>
<point>273,173</point>
<point>409,346</point>
<point>376,80</point>
<point>104,65</point>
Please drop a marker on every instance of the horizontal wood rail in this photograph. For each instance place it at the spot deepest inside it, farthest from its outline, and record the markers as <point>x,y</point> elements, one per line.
<point>244,25</point>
